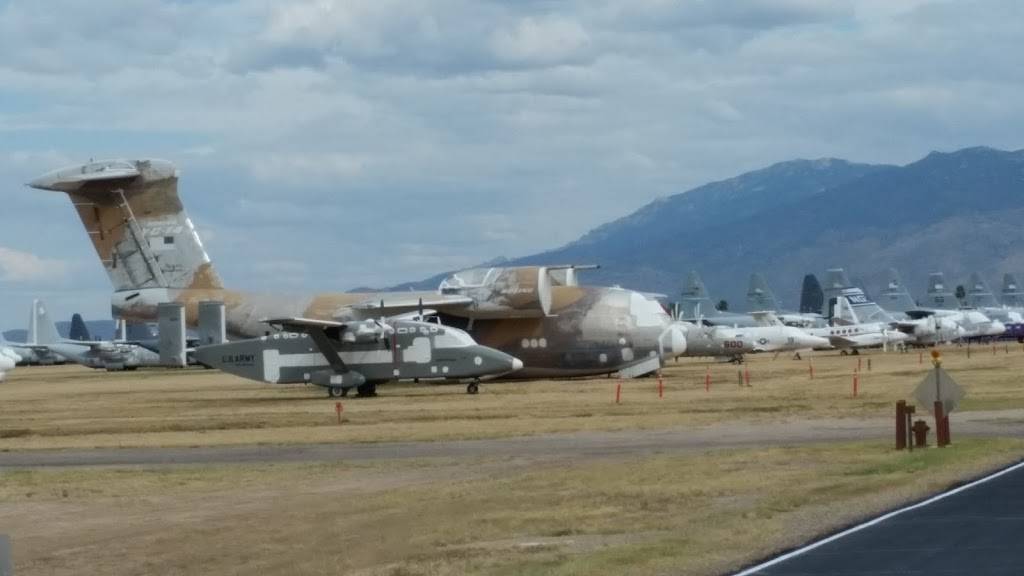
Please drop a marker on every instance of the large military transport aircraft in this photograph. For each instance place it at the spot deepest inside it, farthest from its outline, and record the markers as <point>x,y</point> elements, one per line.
<point>152,254</point>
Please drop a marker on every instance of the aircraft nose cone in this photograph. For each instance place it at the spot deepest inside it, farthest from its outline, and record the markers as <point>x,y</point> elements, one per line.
<point>517,364</point>
<point>998,328</point>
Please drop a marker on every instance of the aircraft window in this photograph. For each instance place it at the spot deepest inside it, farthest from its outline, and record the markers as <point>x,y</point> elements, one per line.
<point>453,339</point>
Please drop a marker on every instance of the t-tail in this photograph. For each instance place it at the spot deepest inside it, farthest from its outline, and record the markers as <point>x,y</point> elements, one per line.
<point>895,297</point>
<point>760,297</point>
<point>1012,294</point>
<point>136,222</point>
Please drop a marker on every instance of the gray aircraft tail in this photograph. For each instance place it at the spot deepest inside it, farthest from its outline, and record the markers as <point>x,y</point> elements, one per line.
<point>812,299</point>
<point>695,301</point>
<point>41,329</point>
<point>1012,294</point>
<point>837,285</point>
<point>979,295</point>
<point>760,297</point>
<point>79,331</point>
<point>136,222</point>
<point>939,296</point>
<point>895,297</point>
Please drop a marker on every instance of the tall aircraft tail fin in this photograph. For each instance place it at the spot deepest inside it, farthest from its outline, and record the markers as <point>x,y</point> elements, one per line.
<point>136,222</point>
<point>41,329</point>
<point>695,301</point>
<point>939,295</point>
<point>1012,294</point>
<point>844,314</point>
<point>979,295</point>
<point>79,331</point>
<point>760,297</point>
<point>837,285</point>
<point>812,299</point>
<point>895,297</point>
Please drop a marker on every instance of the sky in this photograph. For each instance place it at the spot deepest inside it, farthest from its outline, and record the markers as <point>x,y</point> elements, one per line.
<point>330,144</point>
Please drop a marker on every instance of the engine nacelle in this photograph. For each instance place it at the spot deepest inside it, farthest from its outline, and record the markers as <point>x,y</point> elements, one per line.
<point>520,292</point>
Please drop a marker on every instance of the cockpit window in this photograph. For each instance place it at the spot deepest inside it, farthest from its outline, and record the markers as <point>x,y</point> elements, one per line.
<point>453,339</point>
<point>473,278</point>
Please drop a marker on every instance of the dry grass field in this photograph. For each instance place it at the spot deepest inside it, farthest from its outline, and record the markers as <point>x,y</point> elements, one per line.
<point>69,406</point>
<point>700,511</point>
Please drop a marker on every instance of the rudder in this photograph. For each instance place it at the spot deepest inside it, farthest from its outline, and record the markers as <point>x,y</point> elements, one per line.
<point>136,222</point>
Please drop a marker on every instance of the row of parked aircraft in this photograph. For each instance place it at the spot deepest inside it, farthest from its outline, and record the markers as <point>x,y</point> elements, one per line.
<point>520,322</point>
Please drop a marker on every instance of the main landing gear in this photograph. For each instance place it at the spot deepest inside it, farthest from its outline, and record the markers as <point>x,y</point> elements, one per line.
<point>364,391</point>
<point>473,387</point>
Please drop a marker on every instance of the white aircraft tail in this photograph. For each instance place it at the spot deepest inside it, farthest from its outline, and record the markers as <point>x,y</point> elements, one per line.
<point>844,314</point>
<point>41,328</point>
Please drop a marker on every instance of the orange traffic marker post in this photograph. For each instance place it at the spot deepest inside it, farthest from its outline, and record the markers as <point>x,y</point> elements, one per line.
<point>707,380</point>
<point>338,409</point>
<point>856,383</point>
<point>810,369</point>
<point>746,376</point>
<point>618,391</point>
<point>920,357</point>
<point>661,387</point>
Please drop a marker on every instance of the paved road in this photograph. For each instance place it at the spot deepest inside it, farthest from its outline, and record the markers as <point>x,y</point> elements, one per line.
<point>577,445</point>
<point>977,530</point>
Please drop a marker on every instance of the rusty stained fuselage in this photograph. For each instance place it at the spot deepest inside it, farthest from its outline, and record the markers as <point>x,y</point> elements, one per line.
<point>149,248</point>
<point>590,330</point>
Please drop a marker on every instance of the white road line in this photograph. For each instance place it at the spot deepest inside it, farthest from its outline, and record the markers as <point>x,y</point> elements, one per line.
<point>879,520</point>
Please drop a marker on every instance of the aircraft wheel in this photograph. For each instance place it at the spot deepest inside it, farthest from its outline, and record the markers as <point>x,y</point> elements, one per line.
<point>336,392</point>
<point>472,388</point>
<point>367,390</point>
<point>855,352</point>
<point>843,353</point>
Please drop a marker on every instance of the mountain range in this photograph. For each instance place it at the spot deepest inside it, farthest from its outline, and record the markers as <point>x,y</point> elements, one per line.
<point>957,213</point>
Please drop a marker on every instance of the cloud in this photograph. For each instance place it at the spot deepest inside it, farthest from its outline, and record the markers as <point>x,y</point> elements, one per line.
<point>406,138</point>
<point>17,266</point>
<point>548,41</point>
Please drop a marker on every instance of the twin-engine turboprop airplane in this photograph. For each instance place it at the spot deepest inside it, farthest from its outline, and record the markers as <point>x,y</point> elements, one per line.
<point>540,314</point>
<point>359,354</point>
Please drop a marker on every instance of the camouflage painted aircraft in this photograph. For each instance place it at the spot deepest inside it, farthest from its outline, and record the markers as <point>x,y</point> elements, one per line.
<point>152,254</point>
<point>340,356</point>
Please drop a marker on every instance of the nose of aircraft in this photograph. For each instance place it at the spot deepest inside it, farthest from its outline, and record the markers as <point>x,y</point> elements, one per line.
<point>490,361</point>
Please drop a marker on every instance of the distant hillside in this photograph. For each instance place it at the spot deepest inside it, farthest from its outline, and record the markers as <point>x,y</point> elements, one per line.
<point>956,212</point>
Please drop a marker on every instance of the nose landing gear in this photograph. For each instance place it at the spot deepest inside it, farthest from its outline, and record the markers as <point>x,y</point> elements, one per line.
<point>473,387</point>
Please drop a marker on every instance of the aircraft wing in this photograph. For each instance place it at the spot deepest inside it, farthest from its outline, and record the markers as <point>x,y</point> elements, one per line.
<point>302,324</point>
<point>393,304</point>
